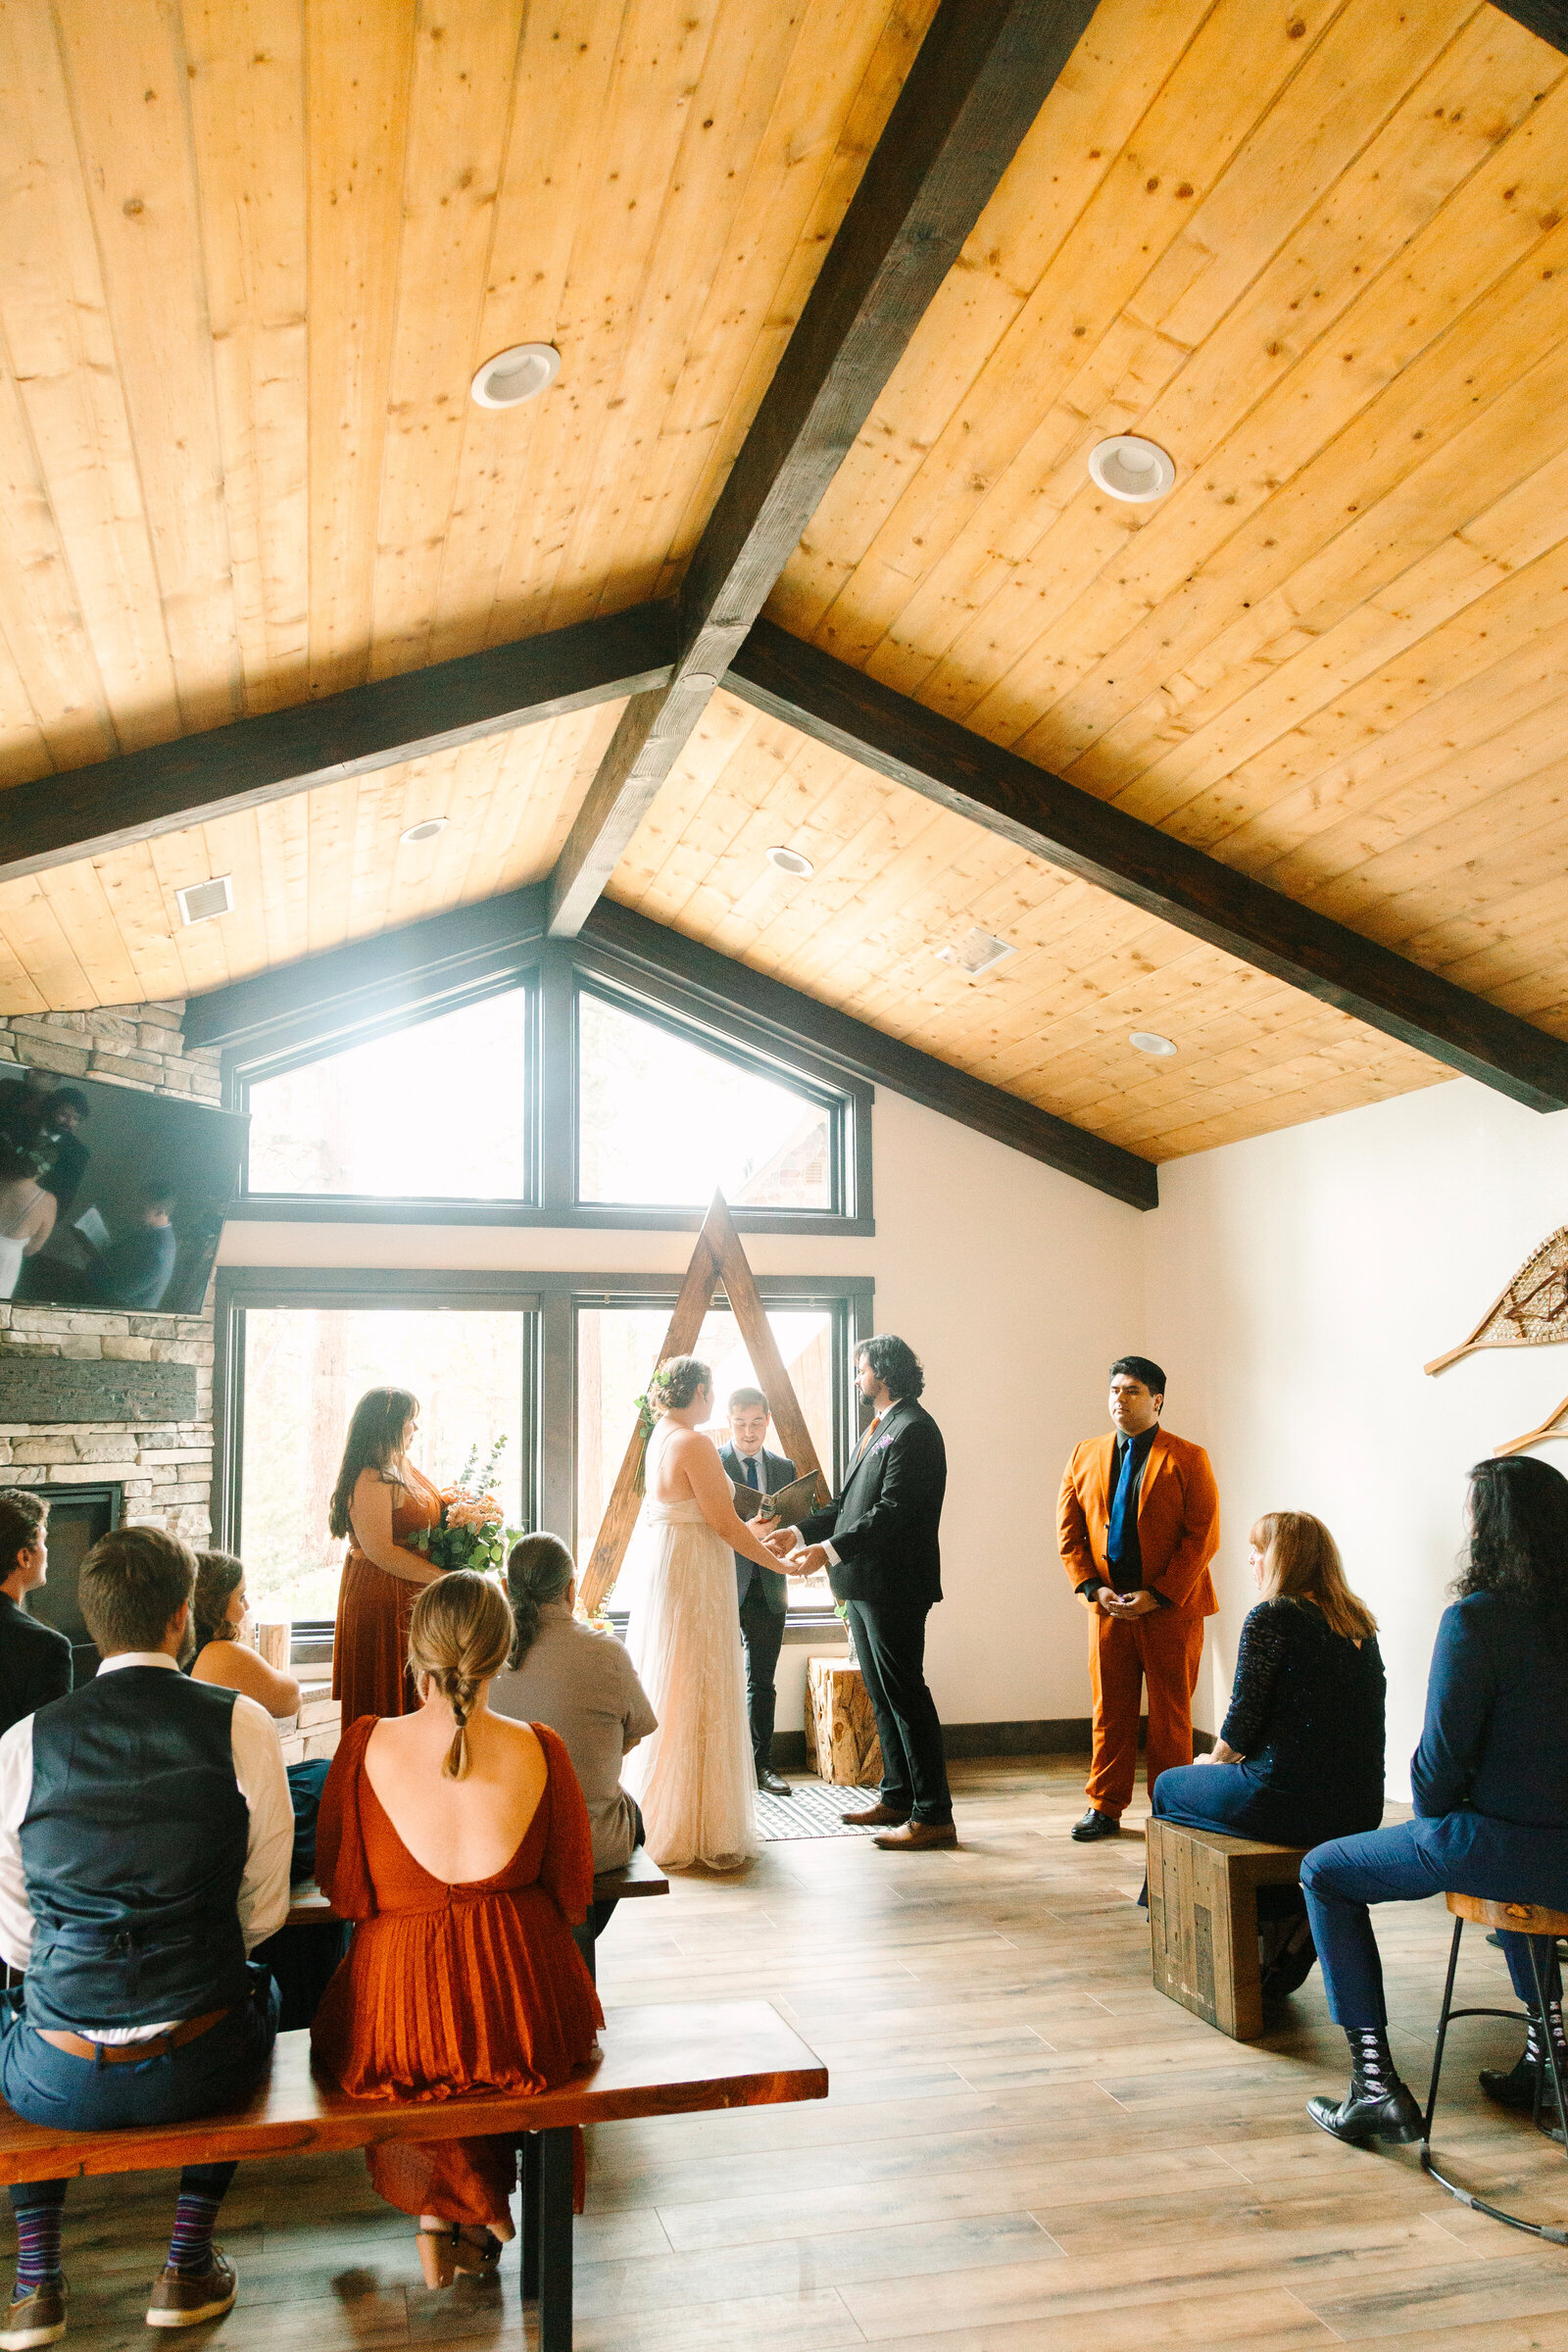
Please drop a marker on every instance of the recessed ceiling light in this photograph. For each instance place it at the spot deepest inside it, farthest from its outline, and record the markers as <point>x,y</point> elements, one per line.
<point>515,375</point>
<point>1131,469</point>
<point>201,902</point>
<point>1148,1042</point>
<point>977,952</point>
<point>790,861</point>
<point>426,830</point>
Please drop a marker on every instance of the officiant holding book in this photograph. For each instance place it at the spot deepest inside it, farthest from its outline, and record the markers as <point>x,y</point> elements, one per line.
<point>763,1596</point>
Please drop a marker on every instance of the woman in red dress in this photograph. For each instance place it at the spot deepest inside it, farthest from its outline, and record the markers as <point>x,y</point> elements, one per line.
<point>380,1501</point>
<point>459,1842</point>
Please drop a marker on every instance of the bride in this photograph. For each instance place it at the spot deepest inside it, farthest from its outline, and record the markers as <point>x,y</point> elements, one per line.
<point>694,1777</point>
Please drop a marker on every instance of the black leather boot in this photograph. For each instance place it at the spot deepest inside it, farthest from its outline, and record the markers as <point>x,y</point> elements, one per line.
<point>1517,2087</point>
<point>1378,2105</point>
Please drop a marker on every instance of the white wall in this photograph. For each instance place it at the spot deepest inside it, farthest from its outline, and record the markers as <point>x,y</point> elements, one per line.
<point>1295,1286</point>
<point>1016,1286</point>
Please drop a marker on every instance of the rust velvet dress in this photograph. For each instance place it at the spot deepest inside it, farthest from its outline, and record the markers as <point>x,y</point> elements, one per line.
<point>452,1988</point>
<point>371,1655</point>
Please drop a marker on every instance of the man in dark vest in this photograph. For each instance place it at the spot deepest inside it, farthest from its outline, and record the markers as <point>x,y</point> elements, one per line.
<point>879,1542</point>
<point>34,1659</point>
<point>145,1833</point>
<point>763,1596</point>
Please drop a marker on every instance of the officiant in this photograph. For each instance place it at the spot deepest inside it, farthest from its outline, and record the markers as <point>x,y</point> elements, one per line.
<point>763,1596</point>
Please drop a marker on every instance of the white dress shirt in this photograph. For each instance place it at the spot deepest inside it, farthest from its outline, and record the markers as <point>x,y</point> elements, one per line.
<point>262,1782</point>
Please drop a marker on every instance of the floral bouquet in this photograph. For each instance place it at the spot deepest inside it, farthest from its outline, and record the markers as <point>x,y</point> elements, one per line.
<point>471,1533</point>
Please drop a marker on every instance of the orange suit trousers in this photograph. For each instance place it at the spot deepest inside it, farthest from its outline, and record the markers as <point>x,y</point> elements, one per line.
<point>1161,1650</point>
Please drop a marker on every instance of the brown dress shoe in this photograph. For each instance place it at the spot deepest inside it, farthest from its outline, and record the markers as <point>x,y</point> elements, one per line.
<point>874,1817</point>
<point>910,1836</point>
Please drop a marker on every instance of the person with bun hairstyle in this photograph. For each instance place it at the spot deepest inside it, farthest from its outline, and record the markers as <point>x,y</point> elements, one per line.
<point>378,1501</point>
<point>579,1682</point>
<point>694,1777</point>
<point>459,1843</point>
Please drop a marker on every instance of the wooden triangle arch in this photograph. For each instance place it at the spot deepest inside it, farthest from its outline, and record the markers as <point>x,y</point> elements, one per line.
<point>717,1262</point>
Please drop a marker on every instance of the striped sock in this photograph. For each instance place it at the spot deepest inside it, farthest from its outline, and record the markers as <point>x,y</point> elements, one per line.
<point>190,2249</point>
<point>39,2247</point>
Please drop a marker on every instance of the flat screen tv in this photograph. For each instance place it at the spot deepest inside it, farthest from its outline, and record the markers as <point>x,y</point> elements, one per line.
<point>110,1197</point>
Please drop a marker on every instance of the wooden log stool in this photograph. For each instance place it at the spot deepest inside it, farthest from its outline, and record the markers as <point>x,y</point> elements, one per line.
<point>840,1737</point>
<point>1202,1921</point>
<point>1542,1926</point>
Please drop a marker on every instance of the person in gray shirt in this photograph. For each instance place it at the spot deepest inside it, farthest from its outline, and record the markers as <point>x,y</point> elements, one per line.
<point>581,1684</point>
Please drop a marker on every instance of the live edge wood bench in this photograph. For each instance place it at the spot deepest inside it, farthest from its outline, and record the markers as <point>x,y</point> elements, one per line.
<point>1203,1919</point>
<point>308,1906</point>
<point>680,2058</point>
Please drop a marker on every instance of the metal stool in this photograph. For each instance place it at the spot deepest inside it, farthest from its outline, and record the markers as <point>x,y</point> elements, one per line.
<point>1542,1926</point>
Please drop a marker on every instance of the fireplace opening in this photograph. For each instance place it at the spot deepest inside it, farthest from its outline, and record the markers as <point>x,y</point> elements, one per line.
<point>78,1517</point>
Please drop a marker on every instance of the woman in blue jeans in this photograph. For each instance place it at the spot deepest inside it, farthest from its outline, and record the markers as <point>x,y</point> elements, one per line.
<point>1490,1781</point>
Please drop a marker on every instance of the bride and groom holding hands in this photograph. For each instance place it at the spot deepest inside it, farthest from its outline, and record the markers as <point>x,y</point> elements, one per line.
<point>695,1777</point>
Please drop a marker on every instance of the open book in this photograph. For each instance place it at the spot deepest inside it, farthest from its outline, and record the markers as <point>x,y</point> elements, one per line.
<point>788,1504</point>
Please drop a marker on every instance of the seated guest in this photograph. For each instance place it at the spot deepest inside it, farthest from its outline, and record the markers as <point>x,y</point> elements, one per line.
<point>144,1840</point>
<point>1490,1783</point>
<point>582,1683</point>
<point>225,1658</point>
<point>459,1842</point>
<point>34,1660</point>
<point>1301,1756</point>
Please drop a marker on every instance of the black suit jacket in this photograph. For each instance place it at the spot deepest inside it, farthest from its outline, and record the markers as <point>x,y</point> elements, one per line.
<point>775,1472</point>
<point>35,1663</point>
<point>884,1524</point>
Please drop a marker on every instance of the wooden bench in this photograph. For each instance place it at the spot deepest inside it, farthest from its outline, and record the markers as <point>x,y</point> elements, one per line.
<point>1202,1921</point>
<point>682,2058</point>
<point>308,1906</point>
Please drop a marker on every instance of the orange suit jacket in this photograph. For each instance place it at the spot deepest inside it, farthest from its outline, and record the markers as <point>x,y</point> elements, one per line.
<point>1178,1519</point>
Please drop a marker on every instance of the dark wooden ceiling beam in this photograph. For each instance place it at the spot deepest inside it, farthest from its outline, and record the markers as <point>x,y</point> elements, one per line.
<point>162,790</point>
<point>984,70</point>
<point>1070,828</point>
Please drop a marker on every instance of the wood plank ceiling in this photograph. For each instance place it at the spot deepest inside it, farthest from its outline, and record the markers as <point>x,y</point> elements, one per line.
<point>251,251</point>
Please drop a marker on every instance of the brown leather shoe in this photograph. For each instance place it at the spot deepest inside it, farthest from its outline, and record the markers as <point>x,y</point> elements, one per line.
<point>913,1835</point>
<point>180,2301</point>
<point>874,1817</point>
<point>37,2315</point>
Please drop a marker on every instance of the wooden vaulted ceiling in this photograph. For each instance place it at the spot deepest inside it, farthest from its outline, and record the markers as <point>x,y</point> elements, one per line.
<point>251,251</point>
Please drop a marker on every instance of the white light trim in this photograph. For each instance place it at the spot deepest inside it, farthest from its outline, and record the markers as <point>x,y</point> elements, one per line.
<point>790,861</point>
<point>426,830</point>
<point>977,952</point>
<point>520,373</point>
<point>1148,1041</point>
<point>1131,469</point>
<point>205,901</point>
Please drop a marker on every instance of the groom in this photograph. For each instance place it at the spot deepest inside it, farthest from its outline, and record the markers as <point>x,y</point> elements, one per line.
<point>879,1542</point>
<point>763,1596</point>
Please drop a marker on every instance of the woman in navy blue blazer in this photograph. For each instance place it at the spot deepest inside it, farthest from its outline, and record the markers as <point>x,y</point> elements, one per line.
<point>1490,1781</point>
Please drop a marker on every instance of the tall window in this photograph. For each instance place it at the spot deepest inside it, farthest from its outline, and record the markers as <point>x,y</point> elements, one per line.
<point>661,1121</point>
<point>305,1369</point>
<point>616,1350</point>
<point>436,1111</point>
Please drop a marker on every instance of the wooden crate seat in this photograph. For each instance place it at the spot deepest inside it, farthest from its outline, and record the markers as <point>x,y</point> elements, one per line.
<point>1202,1921</point>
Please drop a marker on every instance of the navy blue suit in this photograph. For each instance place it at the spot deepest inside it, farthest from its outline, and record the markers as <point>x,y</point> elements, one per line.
<point>1490,1783</point>
<point>765,1601</point>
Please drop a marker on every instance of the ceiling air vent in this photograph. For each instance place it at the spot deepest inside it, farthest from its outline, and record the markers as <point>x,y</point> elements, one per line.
<point>202,900</point>
<point>977,952</point>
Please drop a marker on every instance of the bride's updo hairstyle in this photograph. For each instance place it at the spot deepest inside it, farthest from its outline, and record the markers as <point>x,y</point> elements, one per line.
<point>458,1635</point>
<point>539,1570</point>
<point>676,1382</point>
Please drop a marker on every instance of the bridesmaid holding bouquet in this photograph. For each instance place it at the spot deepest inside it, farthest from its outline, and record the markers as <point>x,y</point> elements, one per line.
<point>380,1499</point>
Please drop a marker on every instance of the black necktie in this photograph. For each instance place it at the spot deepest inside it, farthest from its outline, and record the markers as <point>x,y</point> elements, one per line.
<point>748,1465</point>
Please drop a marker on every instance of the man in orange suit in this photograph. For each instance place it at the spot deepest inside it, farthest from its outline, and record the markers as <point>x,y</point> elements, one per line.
<point>1137,1525</point>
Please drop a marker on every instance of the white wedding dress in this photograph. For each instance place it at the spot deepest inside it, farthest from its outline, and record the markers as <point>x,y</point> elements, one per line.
<point>694,1777</point>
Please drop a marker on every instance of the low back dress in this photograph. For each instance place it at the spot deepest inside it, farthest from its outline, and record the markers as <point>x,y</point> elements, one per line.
<point>449,1989</point>
<point>371,1653</point>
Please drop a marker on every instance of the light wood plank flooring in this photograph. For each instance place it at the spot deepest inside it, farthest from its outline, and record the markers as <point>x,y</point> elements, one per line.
<point>1026,2149</point>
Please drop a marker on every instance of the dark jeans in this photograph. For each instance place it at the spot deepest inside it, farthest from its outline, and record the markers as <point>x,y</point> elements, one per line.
<point>1462,1853</point>
<point>220,2069</point>
<point>762,1631</point>
<point>890,1645</point>
<point>587,1933</point>
<point>1233,1799</point>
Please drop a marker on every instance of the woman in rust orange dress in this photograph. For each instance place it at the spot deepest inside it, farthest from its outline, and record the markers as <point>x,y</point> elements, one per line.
<point>380,1501</point>
<point>459,1842</point>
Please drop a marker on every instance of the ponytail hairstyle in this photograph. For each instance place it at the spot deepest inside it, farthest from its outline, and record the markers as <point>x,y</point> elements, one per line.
<point>458,1635</point>
<point>374,1442</point>
<point>539,1570</point>
<point>1301,1562</point>
<point>676,1382</point>
<point>218,1577</point>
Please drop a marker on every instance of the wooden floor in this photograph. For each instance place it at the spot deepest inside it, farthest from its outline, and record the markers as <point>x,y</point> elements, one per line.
<point>1025,2147</point>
